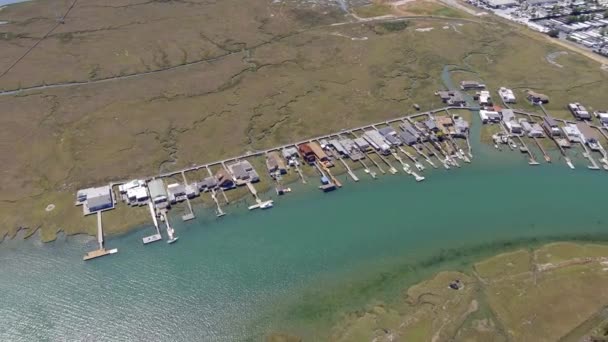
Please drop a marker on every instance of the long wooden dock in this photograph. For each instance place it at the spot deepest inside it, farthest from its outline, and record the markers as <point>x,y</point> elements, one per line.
<point>101,251</point>
<point>190,214</point>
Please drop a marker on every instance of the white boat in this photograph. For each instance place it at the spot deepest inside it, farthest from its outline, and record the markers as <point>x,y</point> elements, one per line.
<point>173,240</point>
<point>266,205</point>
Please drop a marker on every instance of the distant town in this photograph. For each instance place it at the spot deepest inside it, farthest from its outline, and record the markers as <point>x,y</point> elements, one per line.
<point>584,22</point>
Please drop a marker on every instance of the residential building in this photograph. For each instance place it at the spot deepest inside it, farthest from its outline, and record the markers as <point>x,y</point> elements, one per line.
<point>572,133</point>
<point>377,142</point>
<point>579,112</point>
<point>589,135</point>
<point>506,95</point>
<point>471,85</point>
<point>603,117</point>
<point>551,127</point>
<point>338,147</point>
<point>274,163</point>
<point>208,183</point>
<point>244,172</point>
<point>484,98</point>
<point>536,98</point>
<point>514,127</point>
<point>496,4</point>
<point>508,115</point>
<point>488,116</point>
<point>408,138</point>
<point>461,127</point>
<point>362,144</point>
<point>307,153</point>
<point>158,192</point>
<point>319,154</point>
<point>452,98</point>
<point>290,153</point>
<point>176,192</point>
<point>536,131</point>
<point>352,151</point>
<point>224,179</point>
<point>431,125</point>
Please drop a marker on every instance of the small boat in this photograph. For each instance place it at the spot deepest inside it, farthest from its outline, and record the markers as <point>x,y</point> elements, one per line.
<point>173,240</point>
<point>266,205</point>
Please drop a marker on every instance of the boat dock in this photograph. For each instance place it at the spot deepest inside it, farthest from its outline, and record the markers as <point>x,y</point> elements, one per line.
<point>101,251</point>
<point>170,230</point>
<point>370,158</point>
<point>220,212</point>
<point>190,214</point>
<point>155,237</point>
<point>532,160</point>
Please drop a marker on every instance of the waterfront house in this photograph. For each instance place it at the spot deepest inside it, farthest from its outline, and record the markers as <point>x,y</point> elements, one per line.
<point>451,97</point>
<point>431,125</point>
<point>488,116</point>
<point>461,127</point>
<point>508,115</point>
<point>471,85</point>
<point>551,127</point>
<point>506,95</point>
<point>408,138</point>
<point>407,127</point>
<point>514,127</point>
<point>208,183</point>
<point>176,192</point>
<point>536,131</point>
<point>307,153</point>
<point>484,98</point>
<point>290,153</point>
<point>603,117</point>
<point>536,98</point>
<point>244,172</point>
<point>362,144</point>
<point>192,190</point>
<point>274,163</point>
<point>158,193</point>
<point>319,154</point>
<point>572,133</point>
<point>352,151</point>
<point>137,195</point>
<point>377,142</point>
<point>338,147</point>
<point>224,179</point>
<point>589,135</point>
<point>579,112</point>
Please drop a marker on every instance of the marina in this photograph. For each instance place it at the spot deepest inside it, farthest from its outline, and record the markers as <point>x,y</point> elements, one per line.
<point>436,134</point>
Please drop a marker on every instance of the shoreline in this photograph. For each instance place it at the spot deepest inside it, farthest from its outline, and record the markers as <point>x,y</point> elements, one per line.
<point>399,279</point>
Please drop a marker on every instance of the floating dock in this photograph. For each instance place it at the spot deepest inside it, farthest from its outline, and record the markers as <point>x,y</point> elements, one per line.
<point>101,251</point>
<point>220,212</point>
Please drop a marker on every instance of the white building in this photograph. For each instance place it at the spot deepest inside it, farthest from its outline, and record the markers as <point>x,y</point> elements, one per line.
<point>488,116</point>
<point>572,133</point>
<point>484,98</point>
<point>506,95</point>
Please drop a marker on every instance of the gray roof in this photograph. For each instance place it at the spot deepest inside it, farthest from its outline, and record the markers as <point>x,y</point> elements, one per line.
<point>209,182</point>
<point>393,140</point>
<point>508,115</point>
<point>157,188</point>
<point>386,131</point>
<point>179,189</point>
<point>99,201</point>
<point>408,138</point>
<point>239,171</point>
<point>430,123</point>
<point>550,121</point>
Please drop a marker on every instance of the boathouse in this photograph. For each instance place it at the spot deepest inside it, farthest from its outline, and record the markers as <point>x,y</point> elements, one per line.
<point>95,199</point>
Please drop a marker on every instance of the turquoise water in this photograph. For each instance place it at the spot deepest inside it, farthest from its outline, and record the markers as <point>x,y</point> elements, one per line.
<point>300,265</point>
<point>251,272</point>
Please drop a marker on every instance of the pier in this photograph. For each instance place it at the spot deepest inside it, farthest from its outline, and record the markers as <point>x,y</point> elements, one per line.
<point>155,237</point>
<point>170,230</point>
<point>101,251</point>
<point>220,212</point>
<point>370,158</point>
<point>190,214</point>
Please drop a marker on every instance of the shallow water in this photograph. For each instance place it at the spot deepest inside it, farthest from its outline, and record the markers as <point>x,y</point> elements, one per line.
<point>227,279</point>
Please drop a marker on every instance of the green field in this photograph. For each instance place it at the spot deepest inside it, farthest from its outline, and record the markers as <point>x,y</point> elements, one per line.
<point>226,84</point>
